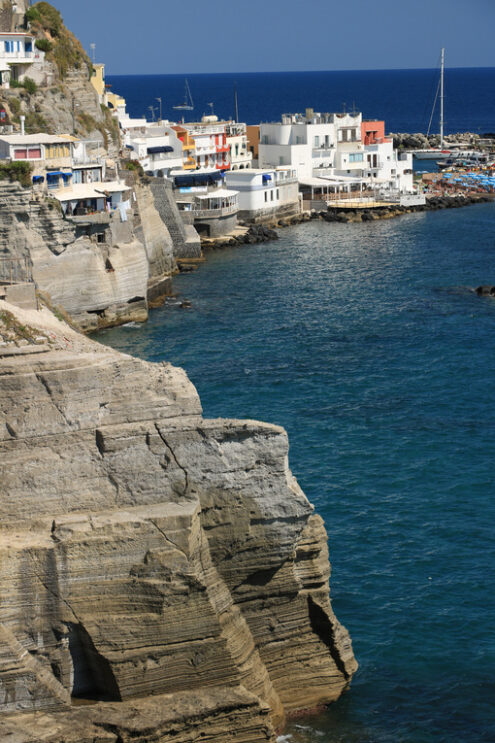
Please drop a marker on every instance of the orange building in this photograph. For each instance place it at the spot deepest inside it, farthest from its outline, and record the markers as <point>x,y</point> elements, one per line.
<point>188,147</point>
<point>373,132</point>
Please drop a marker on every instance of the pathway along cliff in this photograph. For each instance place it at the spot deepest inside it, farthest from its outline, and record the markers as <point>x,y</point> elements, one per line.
<point>166,568</point>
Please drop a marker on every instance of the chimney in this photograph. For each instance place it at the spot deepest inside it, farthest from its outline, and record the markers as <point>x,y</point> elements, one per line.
<point>23,119</point>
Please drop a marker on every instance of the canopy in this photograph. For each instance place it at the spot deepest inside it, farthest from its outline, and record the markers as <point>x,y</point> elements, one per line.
<point>197,179</point>
<point>156,150</point>
<point>38,178</point>
<point>57,173</point>
<point>266,177</point>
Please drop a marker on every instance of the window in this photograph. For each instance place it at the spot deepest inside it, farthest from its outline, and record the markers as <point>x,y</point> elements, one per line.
<point>299,140</point>
<point>278,194</point>
<point>356,157</point>
<point>317,141</point>
<point>20,154</point>
<point>266,195</point>
<point>271,195</point>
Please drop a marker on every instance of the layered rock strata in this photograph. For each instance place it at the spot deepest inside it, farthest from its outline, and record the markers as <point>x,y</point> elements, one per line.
<point>163,565</point>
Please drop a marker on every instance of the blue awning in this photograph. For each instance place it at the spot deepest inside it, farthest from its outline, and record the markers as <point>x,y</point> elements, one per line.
<point>156,150</point>
<point>266,178</point>
<point>129,147</point>
<point>198,179</point>
<point>38,179</point>
<point>57,173</point>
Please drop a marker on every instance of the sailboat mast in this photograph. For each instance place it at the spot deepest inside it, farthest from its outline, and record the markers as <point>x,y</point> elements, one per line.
<point>441,97</point>
<point>235,105</point>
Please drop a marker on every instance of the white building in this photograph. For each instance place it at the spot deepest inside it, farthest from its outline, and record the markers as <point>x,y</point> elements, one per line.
<point>157,148</point>
<point>17,54</point>
<point>240,156</point>
<point>265,192</point>
<point>55,158</point>
<point>334,145</point>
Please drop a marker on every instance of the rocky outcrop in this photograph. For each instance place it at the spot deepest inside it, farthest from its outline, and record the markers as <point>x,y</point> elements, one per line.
<point>103,273</point>
<point>165,565</point>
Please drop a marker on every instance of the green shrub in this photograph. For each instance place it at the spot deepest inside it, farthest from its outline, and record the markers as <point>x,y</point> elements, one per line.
<point>15,84</point>
<point>20,172</point>
<point>35,123</point>
<point>43,45</point>
<point>14,105</point>
<point>135,166</point>
<point>29,85</point>
<point>49,17</point>
<point>32,14</point>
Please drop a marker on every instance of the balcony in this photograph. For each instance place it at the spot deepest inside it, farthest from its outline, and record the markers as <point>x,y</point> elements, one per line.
<point>322,152</point>
<point>213,213</point>
<point>17,56</point>
<point>87,159</point>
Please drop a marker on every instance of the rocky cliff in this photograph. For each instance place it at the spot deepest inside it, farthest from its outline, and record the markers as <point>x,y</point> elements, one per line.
<point>101,274</point>
<point>163,568</point>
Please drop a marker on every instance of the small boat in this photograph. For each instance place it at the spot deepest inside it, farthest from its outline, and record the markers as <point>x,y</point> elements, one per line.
<point>188,104</point>
<point>432,153</point>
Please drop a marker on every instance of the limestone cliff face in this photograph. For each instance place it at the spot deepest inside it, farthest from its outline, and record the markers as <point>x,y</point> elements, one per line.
<point>97,283</point>
<point>167,565</point>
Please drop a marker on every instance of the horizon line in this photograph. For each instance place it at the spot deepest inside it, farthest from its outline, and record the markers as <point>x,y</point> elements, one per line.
<point>291,72</point>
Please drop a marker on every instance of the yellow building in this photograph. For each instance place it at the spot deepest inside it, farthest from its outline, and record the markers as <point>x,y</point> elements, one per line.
<point>188,147</point>
<point>98,81</point>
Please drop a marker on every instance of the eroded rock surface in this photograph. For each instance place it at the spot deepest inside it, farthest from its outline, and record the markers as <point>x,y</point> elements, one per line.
<point>164,564</point>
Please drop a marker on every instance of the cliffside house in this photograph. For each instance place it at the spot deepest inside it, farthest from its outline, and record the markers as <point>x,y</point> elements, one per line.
<point>94,199</point>
<point>55,158</point>
<point>17,54</point>
<point>265,193</point>
<point>204,202</point>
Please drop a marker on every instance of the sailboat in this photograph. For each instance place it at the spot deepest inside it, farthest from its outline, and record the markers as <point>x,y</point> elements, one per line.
<point>188,104</point>
<point>436,153</point>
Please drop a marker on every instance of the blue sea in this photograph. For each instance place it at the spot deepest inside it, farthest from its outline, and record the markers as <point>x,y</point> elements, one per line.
<point>404,98</point>
<point>366,342</point>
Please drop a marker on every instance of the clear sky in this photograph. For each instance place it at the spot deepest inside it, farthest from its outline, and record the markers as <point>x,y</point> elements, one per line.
<point>160,36</point>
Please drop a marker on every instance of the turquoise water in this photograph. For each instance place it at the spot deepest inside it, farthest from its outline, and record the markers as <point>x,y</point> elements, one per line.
<point>364,341</point>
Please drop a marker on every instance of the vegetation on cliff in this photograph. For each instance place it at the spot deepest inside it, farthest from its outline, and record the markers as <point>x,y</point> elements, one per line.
<point>18,171</point>
<point>59,44</point>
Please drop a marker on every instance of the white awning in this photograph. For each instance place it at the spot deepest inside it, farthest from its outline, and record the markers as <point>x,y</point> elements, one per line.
<point>96,190</point>
<point>221,193</point>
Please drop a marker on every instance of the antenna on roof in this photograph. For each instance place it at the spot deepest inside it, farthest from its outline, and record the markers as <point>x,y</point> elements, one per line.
<point>92,46</point>
<point>152,109</point>
<point>344,106</point>
<point>211,108</point>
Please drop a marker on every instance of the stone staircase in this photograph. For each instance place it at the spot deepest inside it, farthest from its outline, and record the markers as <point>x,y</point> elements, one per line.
<point>186,240</point>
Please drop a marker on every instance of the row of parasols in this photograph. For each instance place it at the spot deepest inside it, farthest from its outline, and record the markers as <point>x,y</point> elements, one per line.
<point>471,180</point>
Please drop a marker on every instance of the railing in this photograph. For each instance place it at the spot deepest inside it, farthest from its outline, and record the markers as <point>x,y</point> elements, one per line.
<point>87,160</point>
<point>15,270</point>
<point>213,213</point>
<point>283,181</point>
<point>17,55</point>
<point>322,152</point>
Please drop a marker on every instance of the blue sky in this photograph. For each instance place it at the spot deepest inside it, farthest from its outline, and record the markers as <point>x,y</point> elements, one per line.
<point>159,36</point>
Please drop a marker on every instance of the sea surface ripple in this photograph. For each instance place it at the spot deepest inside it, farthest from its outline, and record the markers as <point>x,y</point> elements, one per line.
<point>366,343</point>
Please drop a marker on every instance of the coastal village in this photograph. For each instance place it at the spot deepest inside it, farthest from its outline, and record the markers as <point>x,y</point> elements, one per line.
<point>164,576</point>
<point>130,201</point>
